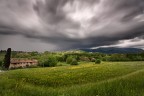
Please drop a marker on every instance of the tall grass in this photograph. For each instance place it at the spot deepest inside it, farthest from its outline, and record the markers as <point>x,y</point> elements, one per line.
<point>106,79</point>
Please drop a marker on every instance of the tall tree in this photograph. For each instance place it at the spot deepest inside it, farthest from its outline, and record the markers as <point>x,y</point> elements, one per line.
<point>7,59</point>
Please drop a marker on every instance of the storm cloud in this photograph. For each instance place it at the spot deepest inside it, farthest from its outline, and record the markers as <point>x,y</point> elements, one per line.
<point>71,24</point>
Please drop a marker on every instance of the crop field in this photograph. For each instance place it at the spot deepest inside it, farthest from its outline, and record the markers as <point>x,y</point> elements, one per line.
<point>85,79</point>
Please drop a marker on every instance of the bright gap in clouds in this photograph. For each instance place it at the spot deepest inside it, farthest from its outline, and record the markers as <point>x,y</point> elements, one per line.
<point>78,12</point>
<point>134,43</point>
<point>81,12</point>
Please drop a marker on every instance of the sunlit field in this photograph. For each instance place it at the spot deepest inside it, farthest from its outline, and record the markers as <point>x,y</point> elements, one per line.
<point>85,79</point>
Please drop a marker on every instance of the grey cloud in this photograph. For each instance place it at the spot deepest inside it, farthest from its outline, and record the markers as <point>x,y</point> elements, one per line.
<point>71,24</point>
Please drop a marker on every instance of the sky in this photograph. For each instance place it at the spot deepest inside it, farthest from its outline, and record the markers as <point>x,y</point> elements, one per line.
<point>49,25</point>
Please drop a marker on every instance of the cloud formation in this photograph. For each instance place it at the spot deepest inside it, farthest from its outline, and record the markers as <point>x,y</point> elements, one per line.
<point>72,24</point>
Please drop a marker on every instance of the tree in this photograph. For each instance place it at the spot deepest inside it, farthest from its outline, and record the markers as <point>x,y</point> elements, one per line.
<point>1,63</point>
<point>74,62</point>
<point>69,59</point>
<point>50,62</point>
<point>7,59</point>
<point>34,53</point>
<point>98,61</point>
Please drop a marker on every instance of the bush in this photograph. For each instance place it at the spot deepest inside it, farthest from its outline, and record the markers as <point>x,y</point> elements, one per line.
<point>50,62</point>
<point>69,60</point>
<point>60,58</point>
<point>74,62</point>
<point>41,64</point>
<point>32,66</point>
<point>98,61</point>
<point>60,64</point>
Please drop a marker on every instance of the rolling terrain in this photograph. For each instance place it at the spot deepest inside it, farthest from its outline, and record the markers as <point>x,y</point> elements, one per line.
<point>86,79</point>
<point>112,50</point>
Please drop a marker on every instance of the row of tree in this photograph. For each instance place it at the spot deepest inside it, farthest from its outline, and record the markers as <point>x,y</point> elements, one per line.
<point>49,59</point>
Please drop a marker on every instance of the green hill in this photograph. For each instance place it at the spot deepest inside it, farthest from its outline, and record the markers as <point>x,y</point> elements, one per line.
<point>112,50</point>
<point>86,79</point>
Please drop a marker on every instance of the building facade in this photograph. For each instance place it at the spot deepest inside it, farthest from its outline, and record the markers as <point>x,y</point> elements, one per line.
<point>22,63</point>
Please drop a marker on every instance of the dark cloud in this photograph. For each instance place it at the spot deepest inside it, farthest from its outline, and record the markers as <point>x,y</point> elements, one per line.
<point>70,24</point>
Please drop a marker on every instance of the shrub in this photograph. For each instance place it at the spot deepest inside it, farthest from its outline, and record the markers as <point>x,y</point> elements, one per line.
<point>50,62</point>
<point>12,68</point>
<point>20,67</point>
<point>41,64</point>
<point>74,62</point>
<point>69,60</point>
<point>60,64</point>
<point>60,58</point>
<point>97,61</point>
<point>32,66</point>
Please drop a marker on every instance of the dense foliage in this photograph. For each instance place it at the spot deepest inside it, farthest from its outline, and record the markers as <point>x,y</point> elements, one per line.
<point>46,58</point>
<point>1,63</point>
<point>74,62</point>
<point>50,62</point>
<point>69,60</point>
<point>97,61</point>
<point>7,59</point>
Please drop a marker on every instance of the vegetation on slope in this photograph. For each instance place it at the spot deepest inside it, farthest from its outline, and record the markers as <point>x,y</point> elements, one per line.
<point>86,79</point>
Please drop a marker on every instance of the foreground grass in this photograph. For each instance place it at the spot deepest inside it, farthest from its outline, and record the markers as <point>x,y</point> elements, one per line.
<point>86,79</point>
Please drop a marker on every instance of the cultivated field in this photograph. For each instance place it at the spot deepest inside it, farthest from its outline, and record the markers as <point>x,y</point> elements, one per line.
<point>85,79</point>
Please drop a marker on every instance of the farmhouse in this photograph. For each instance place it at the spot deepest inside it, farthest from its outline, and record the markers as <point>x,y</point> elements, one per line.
<point>22,63</point>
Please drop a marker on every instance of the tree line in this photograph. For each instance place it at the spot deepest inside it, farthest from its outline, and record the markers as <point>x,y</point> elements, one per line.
<point>50,59</point>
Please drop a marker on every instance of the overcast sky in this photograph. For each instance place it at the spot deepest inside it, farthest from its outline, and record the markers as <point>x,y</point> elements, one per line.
<point>40,25</point>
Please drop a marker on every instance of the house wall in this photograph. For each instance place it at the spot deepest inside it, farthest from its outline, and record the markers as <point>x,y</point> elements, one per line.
<point>22,63</point>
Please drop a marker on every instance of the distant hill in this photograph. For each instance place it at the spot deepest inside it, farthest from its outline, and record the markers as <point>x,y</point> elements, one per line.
<point>111,50</point>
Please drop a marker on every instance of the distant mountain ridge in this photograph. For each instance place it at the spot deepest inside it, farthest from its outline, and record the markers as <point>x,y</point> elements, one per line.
<point>111,50</point>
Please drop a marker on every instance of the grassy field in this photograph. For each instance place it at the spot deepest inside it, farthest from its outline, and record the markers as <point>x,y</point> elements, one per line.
<point>86,79</point>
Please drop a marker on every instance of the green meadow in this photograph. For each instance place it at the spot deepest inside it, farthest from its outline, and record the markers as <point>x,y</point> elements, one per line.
<point>85,79</point>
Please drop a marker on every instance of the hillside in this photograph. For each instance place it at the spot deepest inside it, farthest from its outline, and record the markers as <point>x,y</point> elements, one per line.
<point>86,79</point>
<point>111,50</point>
